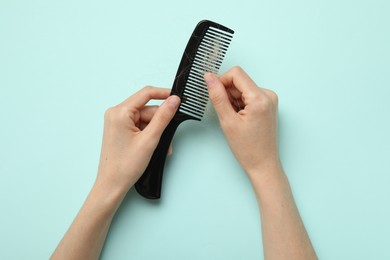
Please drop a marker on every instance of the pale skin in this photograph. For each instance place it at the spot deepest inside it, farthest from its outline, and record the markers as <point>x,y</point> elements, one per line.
<point>248,118</point>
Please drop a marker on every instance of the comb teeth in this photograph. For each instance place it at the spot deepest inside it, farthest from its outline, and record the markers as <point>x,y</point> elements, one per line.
<point>208,58</point>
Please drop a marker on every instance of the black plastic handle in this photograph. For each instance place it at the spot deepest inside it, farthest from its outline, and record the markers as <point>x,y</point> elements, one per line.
<point>149,185</point>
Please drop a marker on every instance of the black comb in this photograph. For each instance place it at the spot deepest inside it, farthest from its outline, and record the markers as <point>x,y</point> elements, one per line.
<point>204,53</point>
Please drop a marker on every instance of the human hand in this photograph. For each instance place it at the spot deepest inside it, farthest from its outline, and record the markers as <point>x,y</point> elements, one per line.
<point>131,134</point>
<point>248,118</point>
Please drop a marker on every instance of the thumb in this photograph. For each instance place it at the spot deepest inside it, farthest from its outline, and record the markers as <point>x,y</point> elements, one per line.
<point>163,116</point>
<point>218,96</point>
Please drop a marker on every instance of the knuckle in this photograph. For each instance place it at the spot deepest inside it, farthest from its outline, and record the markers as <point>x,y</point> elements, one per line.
<point>264,101</point>
<point>256,95</point>
<point>115,115</point>
<point>273,97</point>
<point>236,70</point>
<point>272,94</point>
<point>108,113</point>
<point>263,104</point>
<point>147,88</point>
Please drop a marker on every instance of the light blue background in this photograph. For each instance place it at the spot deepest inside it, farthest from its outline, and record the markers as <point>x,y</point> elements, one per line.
<point>62,63</point>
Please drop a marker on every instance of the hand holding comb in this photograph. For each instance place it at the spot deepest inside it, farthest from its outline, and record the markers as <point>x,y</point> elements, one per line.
<point>204,53</point>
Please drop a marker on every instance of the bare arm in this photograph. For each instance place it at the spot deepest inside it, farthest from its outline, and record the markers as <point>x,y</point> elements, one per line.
<point>248,118</point>
<point>284,235</point>
<point>131,133</point>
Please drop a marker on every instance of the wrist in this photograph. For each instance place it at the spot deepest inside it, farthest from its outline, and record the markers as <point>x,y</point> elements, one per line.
<point>265,170</point>
<point>113,182</point>
<point>265,175</point>
<point>106,197</point>
<point>270,184</point>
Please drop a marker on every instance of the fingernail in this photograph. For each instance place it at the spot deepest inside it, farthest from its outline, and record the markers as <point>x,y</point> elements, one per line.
<point>209,78</point>
<point>173,101</point>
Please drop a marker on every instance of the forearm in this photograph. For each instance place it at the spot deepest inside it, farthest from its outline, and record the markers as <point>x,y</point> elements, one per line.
<point>284,235</point>
<point>86,235</point>
<point>131,133</point>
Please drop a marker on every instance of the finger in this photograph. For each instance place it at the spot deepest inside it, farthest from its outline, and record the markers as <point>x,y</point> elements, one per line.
<point>147,113</point>
<point>163,116</point>
<point>237,104</point>
<point>143,96</point>
<point>218,96</point>
<point>237,78</point>
<point>236,99</point>
<point>234,92</point>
